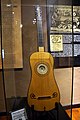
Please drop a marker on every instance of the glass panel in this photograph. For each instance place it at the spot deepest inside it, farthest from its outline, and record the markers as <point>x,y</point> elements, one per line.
<point>61,46</point>
<point>12,51</point>
<point>26,30</point>
<point>11,45</point>
<point>7,48</point>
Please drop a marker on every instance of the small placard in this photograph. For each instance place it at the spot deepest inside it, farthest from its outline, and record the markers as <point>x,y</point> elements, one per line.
<point>19,115</point>
<point>56,43</point>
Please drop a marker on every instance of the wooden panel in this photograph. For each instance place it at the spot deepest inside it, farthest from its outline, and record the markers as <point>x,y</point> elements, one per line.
<point>5,118</point>
<point>75,113</point>
<point>12,34</point>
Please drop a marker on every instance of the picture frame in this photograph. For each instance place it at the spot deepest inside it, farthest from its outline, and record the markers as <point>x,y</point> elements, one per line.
<point>63,21</point>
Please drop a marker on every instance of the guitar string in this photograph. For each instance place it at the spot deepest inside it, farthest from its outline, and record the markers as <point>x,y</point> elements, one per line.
<point>40,37</point>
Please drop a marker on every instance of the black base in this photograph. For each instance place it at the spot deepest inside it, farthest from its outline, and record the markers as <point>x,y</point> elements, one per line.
<point>58,113</point>
<point>62,115</point>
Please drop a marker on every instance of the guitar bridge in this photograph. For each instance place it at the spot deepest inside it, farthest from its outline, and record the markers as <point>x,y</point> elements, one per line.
<point>43,98</point>
<point>54,95</point>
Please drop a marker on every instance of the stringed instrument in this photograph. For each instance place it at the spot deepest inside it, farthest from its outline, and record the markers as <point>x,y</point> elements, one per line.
<point>43,91</point>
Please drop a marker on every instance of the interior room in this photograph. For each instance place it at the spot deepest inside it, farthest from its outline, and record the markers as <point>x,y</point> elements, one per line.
<point>39,60</point>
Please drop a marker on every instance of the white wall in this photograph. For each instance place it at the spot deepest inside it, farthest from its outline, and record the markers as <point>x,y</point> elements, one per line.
<point>64,80</point>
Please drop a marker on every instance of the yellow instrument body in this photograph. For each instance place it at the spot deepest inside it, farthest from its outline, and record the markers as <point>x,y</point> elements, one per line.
<point>43,91</point>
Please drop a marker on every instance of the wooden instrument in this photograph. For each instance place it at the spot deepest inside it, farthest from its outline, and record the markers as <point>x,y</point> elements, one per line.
<point>43,91</point>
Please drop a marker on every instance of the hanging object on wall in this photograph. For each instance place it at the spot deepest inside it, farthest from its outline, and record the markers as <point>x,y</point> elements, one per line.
<point>56,43</point>
<point>11,34</point>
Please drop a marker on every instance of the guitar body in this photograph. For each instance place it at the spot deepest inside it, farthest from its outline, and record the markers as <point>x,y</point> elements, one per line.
<point>43,91</point>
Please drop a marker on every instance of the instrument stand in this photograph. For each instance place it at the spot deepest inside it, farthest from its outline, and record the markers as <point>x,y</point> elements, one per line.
<point>56,114</point>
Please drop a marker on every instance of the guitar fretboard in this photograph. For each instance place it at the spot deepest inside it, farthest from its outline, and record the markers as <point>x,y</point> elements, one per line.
<point>39,25</point>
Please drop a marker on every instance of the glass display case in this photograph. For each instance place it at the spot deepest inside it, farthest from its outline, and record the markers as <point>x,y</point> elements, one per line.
<point>39,60</point>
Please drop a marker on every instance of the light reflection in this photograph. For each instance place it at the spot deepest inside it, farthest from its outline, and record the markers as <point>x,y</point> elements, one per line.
<point>34,21</point>
<point>9,5</point>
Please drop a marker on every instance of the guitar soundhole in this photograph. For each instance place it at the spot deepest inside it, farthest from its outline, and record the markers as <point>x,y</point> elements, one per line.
<point>42,68</point>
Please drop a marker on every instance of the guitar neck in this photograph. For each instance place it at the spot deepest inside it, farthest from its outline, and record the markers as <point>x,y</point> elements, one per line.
<point>41,49</point>
<point>39,26</point>
<point>40,34</point>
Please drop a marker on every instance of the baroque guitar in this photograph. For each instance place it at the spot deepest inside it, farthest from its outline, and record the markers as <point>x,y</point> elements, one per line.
<point>43,91</point>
